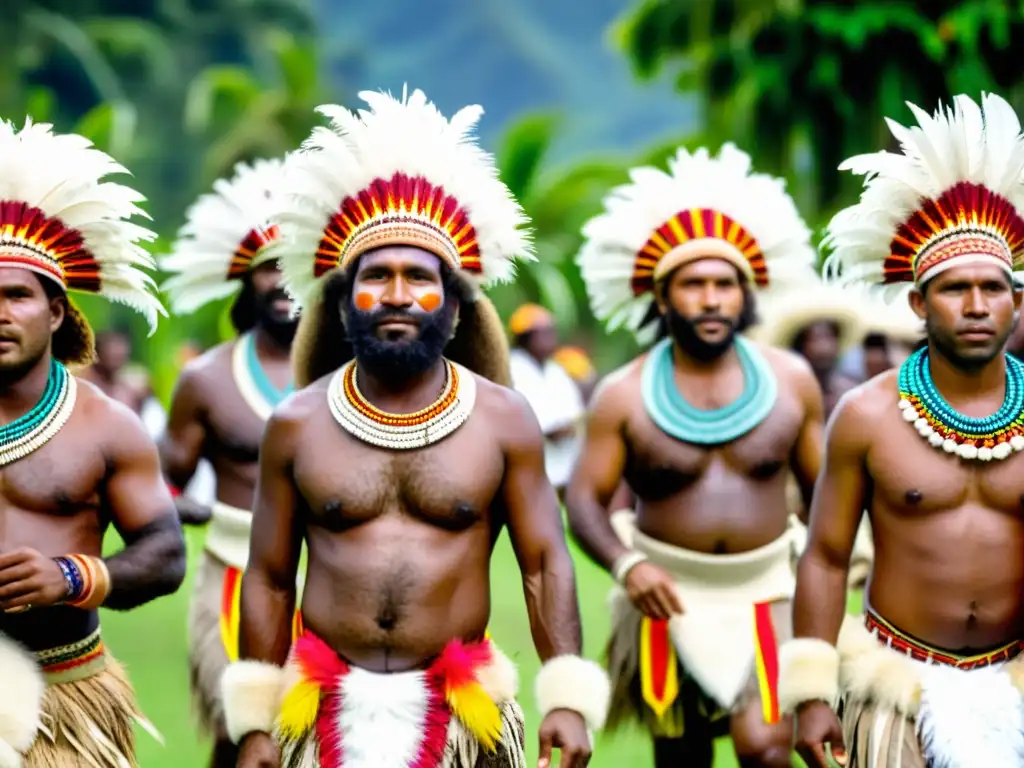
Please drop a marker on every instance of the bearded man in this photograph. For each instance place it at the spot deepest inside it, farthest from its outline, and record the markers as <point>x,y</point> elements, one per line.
<point>222,403</point>
<point>931,675</point>
<point>399,466</point>
<point>72,460</point>
<point>703,427</point>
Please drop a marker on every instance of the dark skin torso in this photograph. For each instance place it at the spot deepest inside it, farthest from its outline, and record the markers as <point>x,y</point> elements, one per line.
<point>948,535</point>
<point>209,419</point>
<point>57,500</point>
<point>402,547</point>
<point>834,386</point>
<point>732,497</point>
<point>399,549</point>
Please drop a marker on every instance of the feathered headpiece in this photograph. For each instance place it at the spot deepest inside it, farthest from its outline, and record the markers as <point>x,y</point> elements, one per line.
<point>398,173</point>
<point>59,220</point>
<point>704,207</point>
<point>226,234</point>
<point>953,196</point>
<point>791,307</point>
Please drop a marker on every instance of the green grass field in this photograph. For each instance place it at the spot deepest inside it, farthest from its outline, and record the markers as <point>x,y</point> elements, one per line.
<point>151,644</point>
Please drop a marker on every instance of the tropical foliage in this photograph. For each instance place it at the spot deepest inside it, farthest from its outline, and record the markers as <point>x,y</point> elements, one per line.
<point>804,84</point>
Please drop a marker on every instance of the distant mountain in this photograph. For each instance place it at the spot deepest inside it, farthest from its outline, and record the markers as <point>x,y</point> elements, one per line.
<point>510,56</point>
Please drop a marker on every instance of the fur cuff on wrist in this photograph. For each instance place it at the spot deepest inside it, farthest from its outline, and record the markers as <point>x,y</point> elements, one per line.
<point>251,691</point>
<point>569,682</point>
<point>21,702</point>
<point>808,671</point>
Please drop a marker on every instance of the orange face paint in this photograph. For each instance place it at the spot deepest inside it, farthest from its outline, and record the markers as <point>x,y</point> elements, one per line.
<point>429,301</point>
<point>365,301</point>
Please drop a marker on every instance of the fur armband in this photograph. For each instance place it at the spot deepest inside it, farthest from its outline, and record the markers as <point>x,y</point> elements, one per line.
<point>570,682</point>
<point>251,692</point>
<point>808,671</point>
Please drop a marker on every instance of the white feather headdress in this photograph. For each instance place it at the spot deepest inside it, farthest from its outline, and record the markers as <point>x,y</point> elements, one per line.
<point>226,234</point>
<point>398,173</point>
<point>954,194</point>
<point>704,207</point>
<point>59,220</point>
<point>788,308</point>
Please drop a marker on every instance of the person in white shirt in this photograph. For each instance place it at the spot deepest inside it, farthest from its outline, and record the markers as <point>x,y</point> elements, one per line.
<point>554,396</point>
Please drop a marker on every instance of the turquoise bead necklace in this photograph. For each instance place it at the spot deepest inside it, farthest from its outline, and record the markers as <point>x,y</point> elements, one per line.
<point>671,412</point>
<point>34,429</point>
<point>985,438</point>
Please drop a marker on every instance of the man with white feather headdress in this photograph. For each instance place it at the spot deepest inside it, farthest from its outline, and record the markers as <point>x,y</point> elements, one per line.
<point>222,403</point>
<point>931,674</point>
<point>398,464</point>
<point>703,427</point>
<point>72,461</point>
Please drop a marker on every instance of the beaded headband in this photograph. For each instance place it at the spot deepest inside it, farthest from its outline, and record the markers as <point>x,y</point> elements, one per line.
<point>953,196</point>
<point>59,220</point>
<point>398,173</point>
<point>704,207</point>
<point>227,232</point>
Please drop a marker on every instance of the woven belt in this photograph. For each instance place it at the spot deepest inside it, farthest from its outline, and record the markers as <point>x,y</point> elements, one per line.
<point>919,651</point>
<point>75,661</point>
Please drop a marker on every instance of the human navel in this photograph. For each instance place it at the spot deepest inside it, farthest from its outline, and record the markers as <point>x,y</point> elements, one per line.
<point>914,497</point>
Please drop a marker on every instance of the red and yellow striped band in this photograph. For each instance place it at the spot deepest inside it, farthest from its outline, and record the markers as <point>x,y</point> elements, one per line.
<point>95,582</point>
<point>230,613</point>
<point>659,665</point>
<point>75,661</point>
<point>915,649</point>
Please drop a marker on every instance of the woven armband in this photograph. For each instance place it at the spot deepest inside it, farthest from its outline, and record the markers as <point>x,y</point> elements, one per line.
<point>251,692</point>
<point>570,682</point>
<point>808,671</point>
<point>88,580</point>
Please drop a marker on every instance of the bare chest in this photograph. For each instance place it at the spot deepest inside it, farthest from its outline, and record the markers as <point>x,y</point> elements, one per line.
<point>659,466</point>
<point>63,478</point>
<point>345,482</point>
<point>234,428</point>
<point>910,477</point>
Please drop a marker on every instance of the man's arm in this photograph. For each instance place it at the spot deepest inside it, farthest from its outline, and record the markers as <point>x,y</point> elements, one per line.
<point>251,688</point>
<point>181,445</point>
<point>805,459</point>
<point>596,477</point>
<point>268,585</point>
<point>809,664</point>
<point>152,562</point>
<point>565,681</point>
<point>535,529</point>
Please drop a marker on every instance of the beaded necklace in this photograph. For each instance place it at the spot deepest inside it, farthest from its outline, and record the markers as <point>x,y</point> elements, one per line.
<point>252,381</point>
<point>402,431</point>
<point>672,414</point>
<point>36,428</point>
<point>987,438</point>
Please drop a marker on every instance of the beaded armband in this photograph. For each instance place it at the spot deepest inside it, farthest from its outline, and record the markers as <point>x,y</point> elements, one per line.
<point>87,578</point>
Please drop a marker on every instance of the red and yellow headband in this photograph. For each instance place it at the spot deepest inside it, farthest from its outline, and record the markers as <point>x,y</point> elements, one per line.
<point>703,207</point>
<point>952,197</point>
<point>398,173</point>
<point>59,219</point>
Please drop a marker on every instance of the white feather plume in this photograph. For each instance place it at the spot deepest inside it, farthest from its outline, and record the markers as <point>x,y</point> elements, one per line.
<point>215,226</point>
<point>60,174</point>
<point>758,202</point>
<point>390,136</point>
<point>963,143</point>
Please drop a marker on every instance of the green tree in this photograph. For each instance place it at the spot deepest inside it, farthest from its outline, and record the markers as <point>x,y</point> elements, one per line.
<point>803,84</point>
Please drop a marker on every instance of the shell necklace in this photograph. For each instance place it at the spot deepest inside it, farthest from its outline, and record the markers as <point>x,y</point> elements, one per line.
<point>984,439</point>
<point>36,428</point>
<point>402,431</point>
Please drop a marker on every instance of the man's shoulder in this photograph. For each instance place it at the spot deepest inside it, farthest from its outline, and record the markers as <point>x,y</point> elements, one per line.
<point>209,367</point>
<point>869,404</point>
<point>105,417</point>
